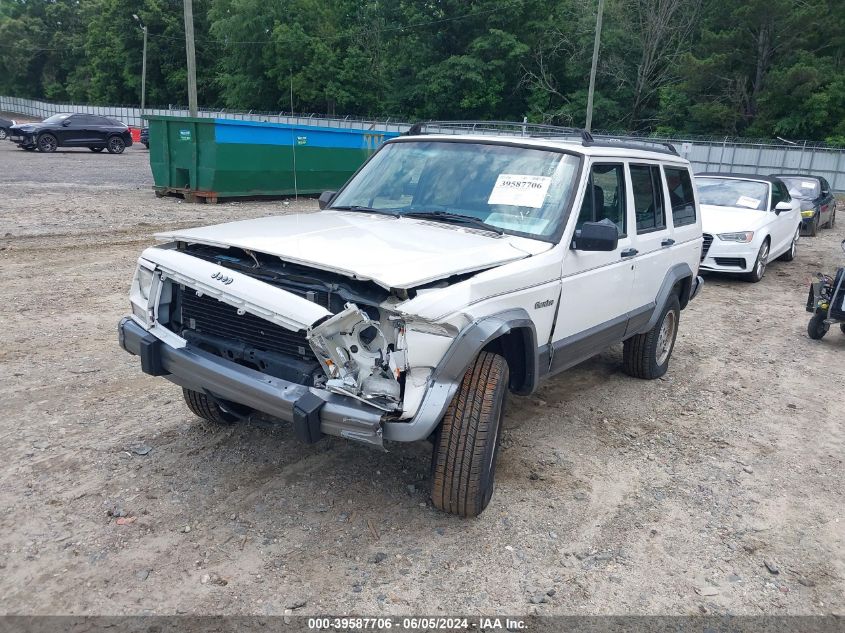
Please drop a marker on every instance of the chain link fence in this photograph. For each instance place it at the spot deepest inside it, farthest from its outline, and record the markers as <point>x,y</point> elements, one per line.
<point>753,156</point>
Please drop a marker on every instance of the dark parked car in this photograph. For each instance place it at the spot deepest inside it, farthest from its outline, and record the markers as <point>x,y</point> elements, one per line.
<point>5,124</point>
<point>818,206</point>
<point>145,137</point>
<point>73,130</point>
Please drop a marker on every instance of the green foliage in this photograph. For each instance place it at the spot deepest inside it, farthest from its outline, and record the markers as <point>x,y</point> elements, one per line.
<point>757,67</point>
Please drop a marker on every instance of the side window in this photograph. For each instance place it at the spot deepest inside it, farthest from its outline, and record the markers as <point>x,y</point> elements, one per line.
<point>605,197</point>
<point>648,198</point>
<point>777,194</point>
<point>681,197</point>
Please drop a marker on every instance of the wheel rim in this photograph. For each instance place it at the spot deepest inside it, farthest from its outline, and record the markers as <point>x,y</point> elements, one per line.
<point>2,134</point>
<point>116,144</point>
<point>46,144</point>
<point>666,336</point>
<point>761,259</point>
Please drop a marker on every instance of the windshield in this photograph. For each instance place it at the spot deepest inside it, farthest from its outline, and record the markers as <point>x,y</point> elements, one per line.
<point>733,192</point>
<point>806,188</point>
<point>516,189</point>
<point>56,118</point>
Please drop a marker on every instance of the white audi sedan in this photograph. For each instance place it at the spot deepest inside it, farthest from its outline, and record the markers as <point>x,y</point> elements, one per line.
<point>748,221</point>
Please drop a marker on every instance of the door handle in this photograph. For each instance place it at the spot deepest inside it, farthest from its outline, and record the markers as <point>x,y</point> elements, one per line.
<point>629,252</point>
<point>667,242</point>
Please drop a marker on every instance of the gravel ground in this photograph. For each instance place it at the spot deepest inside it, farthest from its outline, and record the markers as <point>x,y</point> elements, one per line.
<point>716,489</point>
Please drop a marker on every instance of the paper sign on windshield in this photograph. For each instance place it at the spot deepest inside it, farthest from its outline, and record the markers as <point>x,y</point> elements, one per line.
<point>807,184</point>
<point>745,201</point>
<point>520,191</point>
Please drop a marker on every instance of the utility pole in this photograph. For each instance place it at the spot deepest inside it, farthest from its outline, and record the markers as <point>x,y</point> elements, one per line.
<point>593,67</point>
<point>144,75</point>
<point>192,58</point>
<point>143,67</point>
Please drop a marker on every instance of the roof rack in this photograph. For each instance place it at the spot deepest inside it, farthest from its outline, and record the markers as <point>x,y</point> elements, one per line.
<point>538,130</point>
<point>509,128</point>
<point>634,143</point>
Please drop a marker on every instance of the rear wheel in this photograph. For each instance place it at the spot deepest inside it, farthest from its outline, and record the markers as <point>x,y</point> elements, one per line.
<point>647,355</point>
<point>47,143</point>
<point>842,327</point>
<point>96,149</point>
<point>467,442</point>
<point>115,145</point>
<point>817,328</point>
<point>832,221</point>
<point>789,255</point>
<point>210,410</point>
<point>760,263</point>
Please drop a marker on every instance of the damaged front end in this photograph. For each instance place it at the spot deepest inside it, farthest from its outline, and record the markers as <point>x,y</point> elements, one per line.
<point>361,357</point>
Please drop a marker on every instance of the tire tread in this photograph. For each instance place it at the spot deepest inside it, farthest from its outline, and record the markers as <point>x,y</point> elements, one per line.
<point>459,485</point>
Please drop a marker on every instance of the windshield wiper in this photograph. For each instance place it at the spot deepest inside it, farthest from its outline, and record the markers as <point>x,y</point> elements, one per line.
<point>457,218</point>
<point>356,207</point>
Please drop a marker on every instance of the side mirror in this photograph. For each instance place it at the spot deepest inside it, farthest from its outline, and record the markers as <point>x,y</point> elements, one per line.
<point>326,198</point>
<point>783,205</point>
<point>66,122</point>
<point>596,236</point>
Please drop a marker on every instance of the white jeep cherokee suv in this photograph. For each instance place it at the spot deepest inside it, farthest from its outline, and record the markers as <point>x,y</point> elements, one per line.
<point>451,269</point>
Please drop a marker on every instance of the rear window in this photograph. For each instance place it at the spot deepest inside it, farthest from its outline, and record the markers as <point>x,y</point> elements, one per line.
<point>681,196</point>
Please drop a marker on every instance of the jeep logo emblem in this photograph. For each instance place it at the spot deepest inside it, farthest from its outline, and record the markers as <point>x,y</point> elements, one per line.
<point>544,304</point>
<point>222,278</point>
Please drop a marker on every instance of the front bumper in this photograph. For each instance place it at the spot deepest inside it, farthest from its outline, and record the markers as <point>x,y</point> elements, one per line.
<point>697,283</point>
<point>313,412</point>
<point>730,257</point>
<point>24,140</point>
<point>806,223</point>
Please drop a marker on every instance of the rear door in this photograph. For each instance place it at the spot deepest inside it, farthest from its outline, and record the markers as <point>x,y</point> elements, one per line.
<point>651,237</point>
<point>97,129</point>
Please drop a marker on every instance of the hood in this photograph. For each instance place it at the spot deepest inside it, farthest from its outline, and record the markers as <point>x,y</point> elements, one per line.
<point>23,127</point>
<point>715,220</point>
<point>392,252</point>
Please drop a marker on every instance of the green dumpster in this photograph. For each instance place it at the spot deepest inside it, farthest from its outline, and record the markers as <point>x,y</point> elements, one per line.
<point>223,158</point>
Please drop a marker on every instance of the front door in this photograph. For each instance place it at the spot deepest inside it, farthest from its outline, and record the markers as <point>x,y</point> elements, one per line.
<point>72,131</point>
<point>596,286</point>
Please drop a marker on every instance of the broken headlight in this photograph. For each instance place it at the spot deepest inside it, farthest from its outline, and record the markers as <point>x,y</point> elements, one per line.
<point>359,357</point>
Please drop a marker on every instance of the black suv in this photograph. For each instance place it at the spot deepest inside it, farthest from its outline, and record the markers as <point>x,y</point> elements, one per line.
<point>72,130</point>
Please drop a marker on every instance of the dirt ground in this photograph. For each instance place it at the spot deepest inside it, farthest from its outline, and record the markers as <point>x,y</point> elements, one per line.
<point>716,489</point>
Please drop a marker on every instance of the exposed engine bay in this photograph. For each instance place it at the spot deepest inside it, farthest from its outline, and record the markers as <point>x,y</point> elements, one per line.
<point>358,351</point>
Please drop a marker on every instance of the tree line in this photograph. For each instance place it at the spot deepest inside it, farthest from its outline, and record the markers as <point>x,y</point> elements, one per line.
<point>759,68</point>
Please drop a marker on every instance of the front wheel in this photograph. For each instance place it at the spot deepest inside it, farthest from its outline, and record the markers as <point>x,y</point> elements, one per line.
<point>789,255</point>
<point>211,410</point>
<point>817,328</point>
<point>47,143</point>
<point>759,269</point>
<point>467,442</point>
<point>116,145</point>
<point>647,355</point>
<point>3,134</point>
